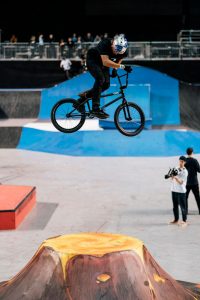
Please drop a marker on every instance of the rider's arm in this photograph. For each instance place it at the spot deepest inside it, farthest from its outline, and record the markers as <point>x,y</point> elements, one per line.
<point>119,60</point>
<point>109,63</point>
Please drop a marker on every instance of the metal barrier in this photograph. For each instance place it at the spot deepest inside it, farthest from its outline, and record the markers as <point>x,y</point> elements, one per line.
<point>189,36</point>
<point>136,51</point>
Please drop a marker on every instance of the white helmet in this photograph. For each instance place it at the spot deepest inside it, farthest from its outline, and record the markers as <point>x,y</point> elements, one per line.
<point>120,44</point>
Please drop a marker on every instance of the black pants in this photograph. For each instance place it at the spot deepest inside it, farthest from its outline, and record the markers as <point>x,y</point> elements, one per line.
<point>195,190</point>
<point>179,199</point>
<point>67,74</point>
<point>102,81</point>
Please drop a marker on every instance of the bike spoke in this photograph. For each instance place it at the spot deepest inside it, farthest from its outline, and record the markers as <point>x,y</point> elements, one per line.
<point>61,116</point>
<point>129,119</point>
<point>66,116</point>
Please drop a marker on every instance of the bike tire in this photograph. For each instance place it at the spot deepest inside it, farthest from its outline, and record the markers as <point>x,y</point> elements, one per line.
<point>59,124</point>
<point>118,123</point>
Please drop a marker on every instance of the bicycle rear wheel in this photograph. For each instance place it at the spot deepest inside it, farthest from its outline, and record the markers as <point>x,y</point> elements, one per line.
<point>65,117</point>
<point>129,119</point>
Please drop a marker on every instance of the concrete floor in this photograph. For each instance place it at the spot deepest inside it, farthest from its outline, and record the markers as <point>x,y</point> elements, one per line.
<point>118,195</point>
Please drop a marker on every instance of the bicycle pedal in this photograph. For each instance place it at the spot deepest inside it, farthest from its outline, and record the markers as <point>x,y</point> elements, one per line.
<point>91,116</point>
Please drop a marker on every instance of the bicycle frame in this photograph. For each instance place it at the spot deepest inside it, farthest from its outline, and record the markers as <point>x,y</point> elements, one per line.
<point>121,93</point>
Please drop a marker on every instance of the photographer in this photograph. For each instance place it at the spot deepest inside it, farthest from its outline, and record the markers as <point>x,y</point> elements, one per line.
<point>178,188</point>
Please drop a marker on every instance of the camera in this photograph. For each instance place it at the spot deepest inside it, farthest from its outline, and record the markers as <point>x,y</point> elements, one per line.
<point>172,172</point>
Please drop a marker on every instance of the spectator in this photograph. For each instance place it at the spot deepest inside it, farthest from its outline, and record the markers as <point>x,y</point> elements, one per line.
<point>79,46</point>
<point>13,41</point>
<point>193,167</point>
<point>33,45</point>
<point>41,45</point>
<point>83,62</point>
<point>62,47</point>
<point>65,64</point>
<point>52,48</point>
<point>178,189</point>
<point>74,38</point>
<point>97,38</point>
<point>89,38</point>
<point>70,46</point>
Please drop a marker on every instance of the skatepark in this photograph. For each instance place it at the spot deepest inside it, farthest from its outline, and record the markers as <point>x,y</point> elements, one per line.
<point>96,186</point>
<point>86,215</point>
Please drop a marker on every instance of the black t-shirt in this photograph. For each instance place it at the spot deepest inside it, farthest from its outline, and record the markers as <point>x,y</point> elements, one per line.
<point>104,48</point>
<point>193,167</point>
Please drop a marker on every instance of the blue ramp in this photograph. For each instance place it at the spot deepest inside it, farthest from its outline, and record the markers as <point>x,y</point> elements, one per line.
<point>164,95</point>
<point>110,142</point>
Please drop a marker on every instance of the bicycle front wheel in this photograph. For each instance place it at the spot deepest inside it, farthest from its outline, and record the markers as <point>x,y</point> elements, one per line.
<point>65,117</point>
<point>129,119</point>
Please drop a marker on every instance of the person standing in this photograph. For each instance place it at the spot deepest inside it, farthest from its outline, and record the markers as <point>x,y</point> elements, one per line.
<point>65,64</point>
<point>41,45</point>
<point>193,167</point>
<point>178,189</point>
<point>52,47</point>
<point>33,45</point>
<point>62,47</point>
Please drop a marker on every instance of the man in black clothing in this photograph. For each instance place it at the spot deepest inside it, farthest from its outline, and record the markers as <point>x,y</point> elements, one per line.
<point>193,167</point>
<point>108,53</point>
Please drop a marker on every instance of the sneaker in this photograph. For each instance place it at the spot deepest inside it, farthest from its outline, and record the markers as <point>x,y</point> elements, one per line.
<point>99,113</point>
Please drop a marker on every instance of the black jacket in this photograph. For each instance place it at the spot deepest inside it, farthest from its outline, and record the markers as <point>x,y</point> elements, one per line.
<point>193,167</point>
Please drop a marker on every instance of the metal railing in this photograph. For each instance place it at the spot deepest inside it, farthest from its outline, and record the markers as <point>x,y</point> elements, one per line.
<point>189,36</point>
<point>136,51</point>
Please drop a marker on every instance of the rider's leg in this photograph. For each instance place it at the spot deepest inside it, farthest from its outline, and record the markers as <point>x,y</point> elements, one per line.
<point>106,84</point>
<point>102,85</point>
<point>86,94</point>
<point>99,86</point>
<point>96,72</point>
<point>100,82</point>
<point>101,76</point>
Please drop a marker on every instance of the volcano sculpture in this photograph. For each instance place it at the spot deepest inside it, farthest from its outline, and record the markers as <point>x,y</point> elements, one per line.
<point>94,266</point>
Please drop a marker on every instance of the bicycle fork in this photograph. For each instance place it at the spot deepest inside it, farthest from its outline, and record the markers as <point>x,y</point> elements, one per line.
<point>126,111</point>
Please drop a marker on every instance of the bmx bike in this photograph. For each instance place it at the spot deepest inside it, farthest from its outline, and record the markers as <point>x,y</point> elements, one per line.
<point>68,115</point>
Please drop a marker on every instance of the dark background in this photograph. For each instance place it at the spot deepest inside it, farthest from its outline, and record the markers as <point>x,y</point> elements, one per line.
<point>140,20</point>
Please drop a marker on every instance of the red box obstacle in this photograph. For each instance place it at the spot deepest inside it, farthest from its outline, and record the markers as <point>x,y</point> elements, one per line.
<point>15,204</point>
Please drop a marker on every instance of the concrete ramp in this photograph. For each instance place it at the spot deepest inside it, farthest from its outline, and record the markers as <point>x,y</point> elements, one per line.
<point>190,105</point>
<point>19,103</point>
<point>17,107</point>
